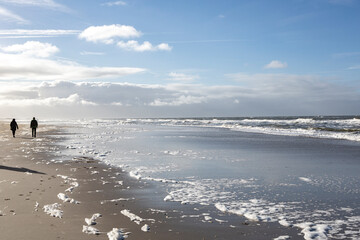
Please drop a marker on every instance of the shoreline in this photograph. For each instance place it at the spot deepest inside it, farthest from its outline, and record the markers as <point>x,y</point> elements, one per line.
<point>100,189</point>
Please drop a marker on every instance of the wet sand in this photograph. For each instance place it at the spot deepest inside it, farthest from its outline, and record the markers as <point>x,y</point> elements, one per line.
<point>31,177</point>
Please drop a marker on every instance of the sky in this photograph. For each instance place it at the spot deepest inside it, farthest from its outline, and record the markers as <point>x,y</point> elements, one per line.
<point>188,58</point>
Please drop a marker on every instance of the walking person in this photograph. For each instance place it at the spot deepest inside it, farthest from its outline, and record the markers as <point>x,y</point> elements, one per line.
<point>13,127</point>
<point>33,126</point>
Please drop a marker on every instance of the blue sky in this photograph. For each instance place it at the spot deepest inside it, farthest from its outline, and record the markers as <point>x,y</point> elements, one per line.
<point>142,58</point>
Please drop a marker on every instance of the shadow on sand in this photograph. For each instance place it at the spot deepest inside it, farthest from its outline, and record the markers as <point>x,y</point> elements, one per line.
<point>25,137</point>
<point>19,169</point>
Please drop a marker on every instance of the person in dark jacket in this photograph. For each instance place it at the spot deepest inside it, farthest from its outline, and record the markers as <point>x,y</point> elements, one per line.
<point>33,126</point>
<point>13,127</point>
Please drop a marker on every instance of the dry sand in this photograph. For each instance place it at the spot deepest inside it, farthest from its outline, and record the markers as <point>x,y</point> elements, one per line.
<point>32,177</point>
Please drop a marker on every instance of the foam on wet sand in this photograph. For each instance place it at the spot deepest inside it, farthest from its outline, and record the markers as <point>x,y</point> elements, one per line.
<point>53,210</point>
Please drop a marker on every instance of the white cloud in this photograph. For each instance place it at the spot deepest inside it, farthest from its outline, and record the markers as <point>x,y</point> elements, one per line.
<point>71,100</point>
<point>23,67</point>
<point>11,17</point>
<point>38,3</point>
<point>108,33</point>
<point>32,48</point>
<point>276,64</point>
<point>164,47</point>
<point>182,77</point>
<point>24,33</point>
<point>92,53</point>
<point>117,3</point>
<point>133,45</point>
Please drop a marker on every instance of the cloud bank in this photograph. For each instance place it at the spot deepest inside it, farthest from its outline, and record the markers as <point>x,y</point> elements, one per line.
<point>255,95</point>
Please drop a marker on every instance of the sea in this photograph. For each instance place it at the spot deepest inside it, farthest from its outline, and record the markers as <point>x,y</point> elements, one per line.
<point>298,172</point>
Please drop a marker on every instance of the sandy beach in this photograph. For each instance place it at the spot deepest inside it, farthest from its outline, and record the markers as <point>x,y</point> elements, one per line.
<point>179,120</point>
<point>45,198</point>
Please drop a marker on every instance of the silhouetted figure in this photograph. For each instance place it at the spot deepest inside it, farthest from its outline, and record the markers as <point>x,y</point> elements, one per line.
<point>33,126</point>
<point>13,127</point>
